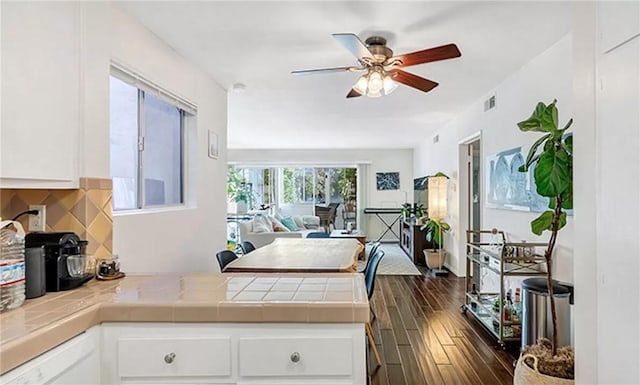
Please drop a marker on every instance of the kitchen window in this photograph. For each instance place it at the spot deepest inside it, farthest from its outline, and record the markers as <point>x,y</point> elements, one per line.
<point>147,144</point>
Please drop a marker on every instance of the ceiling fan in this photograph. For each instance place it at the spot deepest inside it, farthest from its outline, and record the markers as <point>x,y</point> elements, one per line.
<point>383,69</point>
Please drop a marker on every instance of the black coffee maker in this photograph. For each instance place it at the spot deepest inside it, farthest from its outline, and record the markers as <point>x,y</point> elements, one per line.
<point>62,253</point>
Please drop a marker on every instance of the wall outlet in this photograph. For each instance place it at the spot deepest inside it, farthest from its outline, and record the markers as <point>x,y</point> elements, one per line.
<point>37,222</point>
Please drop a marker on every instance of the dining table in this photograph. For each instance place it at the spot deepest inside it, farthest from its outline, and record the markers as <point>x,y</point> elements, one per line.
<point>301,255</point>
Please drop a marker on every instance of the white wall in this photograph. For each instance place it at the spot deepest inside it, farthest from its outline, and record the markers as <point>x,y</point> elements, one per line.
<point>585,311</point>
<point>185,239</point>
<point>617,193</point>
<point>179,240</point>
<point>371,161</point>
<point>546,77</point>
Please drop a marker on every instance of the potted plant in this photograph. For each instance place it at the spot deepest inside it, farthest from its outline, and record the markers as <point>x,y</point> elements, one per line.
<point>545,362</point>
<point>419,211</point>
<point>238,191</point>
<point>436,228</point>
<point>405,210</point>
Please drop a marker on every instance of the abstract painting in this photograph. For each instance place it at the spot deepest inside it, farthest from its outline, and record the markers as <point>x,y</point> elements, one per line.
<point>510,189</point>
<point>388,180</point>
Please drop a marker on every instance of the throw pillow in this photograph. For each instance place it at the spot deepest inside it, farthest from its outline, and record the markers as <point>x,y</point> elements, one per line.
<point>311,222</point>
<point>298,220</point>
<point>289,223</point>
<point>260,225</point>
<point>277,225</point>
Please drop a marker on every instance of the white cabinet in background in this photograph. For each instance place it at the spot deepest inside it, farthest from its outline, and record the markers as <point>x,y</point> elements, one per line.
<point>247,354</point>
<point>40,117</point>
<point>76,362</point>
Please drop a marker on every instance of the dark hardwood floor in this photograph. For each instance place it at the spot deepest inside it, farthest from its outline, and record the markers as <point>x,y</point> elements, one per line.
<point>423,337</point>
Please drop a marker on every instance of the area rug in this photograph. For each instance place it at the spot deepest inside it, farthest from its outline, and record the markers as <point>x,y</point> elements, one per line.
<point>394,262</point>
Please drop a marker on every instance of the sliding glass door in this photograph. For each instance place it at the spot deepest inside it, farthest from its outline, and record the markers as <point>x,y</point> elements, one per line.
<point>299,190</point>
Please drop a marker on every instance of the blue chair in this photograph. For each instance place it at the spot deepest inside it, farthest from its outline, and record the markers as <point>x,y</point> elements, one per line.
<point>246,247</point>
<point>317,235</point>
<point>225,257</point>
<point>373,250</point>
<point>370,282</point>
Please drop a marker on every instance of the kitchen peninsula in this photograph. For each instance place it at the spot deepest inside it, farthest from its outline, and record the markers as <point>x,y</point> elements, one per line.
<point>202,327</point>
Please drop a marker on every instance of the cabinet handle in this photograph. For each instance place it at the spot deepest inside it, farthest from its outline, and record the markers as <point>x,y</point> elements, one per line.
<point>169,358</point>
<point>295,357</point>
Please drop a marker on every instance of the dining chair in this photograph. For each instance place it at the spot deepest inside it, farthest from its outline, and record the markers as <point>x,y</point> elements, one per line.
<point>370,282</point>
<point>317,235</point>
<point>373,250</point>
<point>246,247</point>
<point>225,257</point>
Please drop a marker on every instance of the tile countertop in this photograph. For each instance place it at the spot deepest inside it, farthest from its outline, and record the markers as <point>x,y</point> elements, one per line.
<point>45,322</point>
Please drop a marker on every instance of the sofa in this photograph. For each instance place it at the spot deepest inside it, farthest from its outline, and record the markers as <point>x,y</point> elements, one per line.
<point>263,229</point>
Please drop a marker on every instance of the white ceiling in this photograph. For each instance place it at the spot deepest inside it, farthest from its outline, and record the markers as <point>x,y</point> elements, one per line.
<point>259,43</point>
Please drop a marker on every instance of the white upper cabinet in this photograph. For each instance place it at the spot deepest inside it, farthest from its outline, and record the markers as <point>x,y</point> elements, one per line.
<point>40,123</point>
<point>619,21</point>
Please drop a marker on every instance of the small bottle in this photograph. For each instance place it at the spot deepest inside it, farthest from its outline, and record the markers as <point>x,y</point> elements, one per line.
<point>517,307</point>
<point>507,310</point>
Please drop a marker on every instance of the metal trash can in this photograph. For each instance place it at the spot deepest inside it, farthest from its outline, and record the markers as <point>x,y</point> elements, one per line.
<point>536,311</point>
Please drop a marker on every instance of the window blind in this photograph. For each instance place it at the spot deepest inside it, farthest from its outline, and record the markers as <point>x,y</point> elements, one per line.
<point>138,81</point>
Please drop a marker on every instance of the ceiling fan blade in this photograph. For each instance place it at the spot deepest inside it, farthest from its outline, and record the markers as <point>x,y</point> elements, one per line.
<point>354,45</point>
<point>353,94</point>
<point>444,52</point>
<point>326,70</point>
<point>412,80</point>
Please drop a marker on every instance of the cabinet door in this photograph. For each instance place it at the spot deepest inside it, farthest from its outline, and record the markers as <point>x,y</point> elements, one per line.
<point>76,362</point>
<point>40,91</point>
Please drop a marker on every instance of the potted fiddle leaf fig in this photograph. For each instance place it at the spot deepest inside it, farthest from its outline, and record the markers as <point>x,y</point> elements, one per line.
<point>436,228</point>
<point>551,157</point>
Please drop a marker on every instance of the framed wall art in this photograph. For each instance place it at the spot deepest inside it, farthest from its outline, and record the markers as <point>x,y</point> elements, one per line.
<point>214,149</point>
<point>388,180</point>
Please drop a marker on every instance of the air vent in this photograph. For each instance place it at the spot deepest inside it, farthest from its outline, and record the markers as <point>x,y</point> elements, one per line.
<point>490,103</point>
<point>436,139</point>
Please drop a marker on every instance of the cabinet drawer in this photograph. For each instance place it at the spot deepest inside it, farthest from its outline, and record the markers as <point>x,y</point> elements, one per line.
<point>167,357</point>
<point>299,356</point>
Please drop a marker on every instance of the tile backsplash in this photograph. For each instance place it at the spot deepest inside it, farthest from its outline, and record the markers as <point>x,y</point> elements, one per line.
<point>85,211</point>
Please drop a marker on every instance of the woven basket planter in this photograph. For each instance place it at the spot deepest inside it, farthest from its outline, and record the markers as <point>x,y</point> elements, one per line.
<point>434,259</point>
<point>524,375</point>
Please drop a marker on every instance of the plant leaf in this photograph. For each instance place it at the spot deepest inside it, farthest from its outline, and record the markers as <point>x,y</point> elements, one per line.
<point>567,198</point>
<point>568,143</point>
<point>543,119</point>
<point>532,151</point>
<point>552,172</point>
<point>569,123</point>
<point>552,112</point>
<point>562,220</point>
<point>542,223</point>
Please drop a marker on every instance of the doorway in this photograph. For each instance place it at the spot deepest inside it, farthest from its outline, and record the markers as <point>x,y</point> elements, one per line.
<point>474,199</point>
<point>470,195</point>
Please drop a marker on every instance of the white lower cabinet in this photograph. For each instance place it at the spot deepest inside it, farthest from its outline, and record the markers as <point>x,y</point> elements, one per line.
<point>75,362</point>
<point>242,354</point>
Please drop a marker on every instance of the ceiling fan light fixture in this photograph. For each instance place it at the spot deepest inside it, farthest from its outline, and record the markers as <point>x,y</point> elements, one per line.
<point>375,83</point>
<point>361,84</point>
<point>389,84</point>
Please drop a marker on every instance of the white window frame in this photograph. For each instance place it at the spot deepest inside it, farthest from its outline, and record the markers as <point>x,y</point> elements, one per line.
<point>187,110</point>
